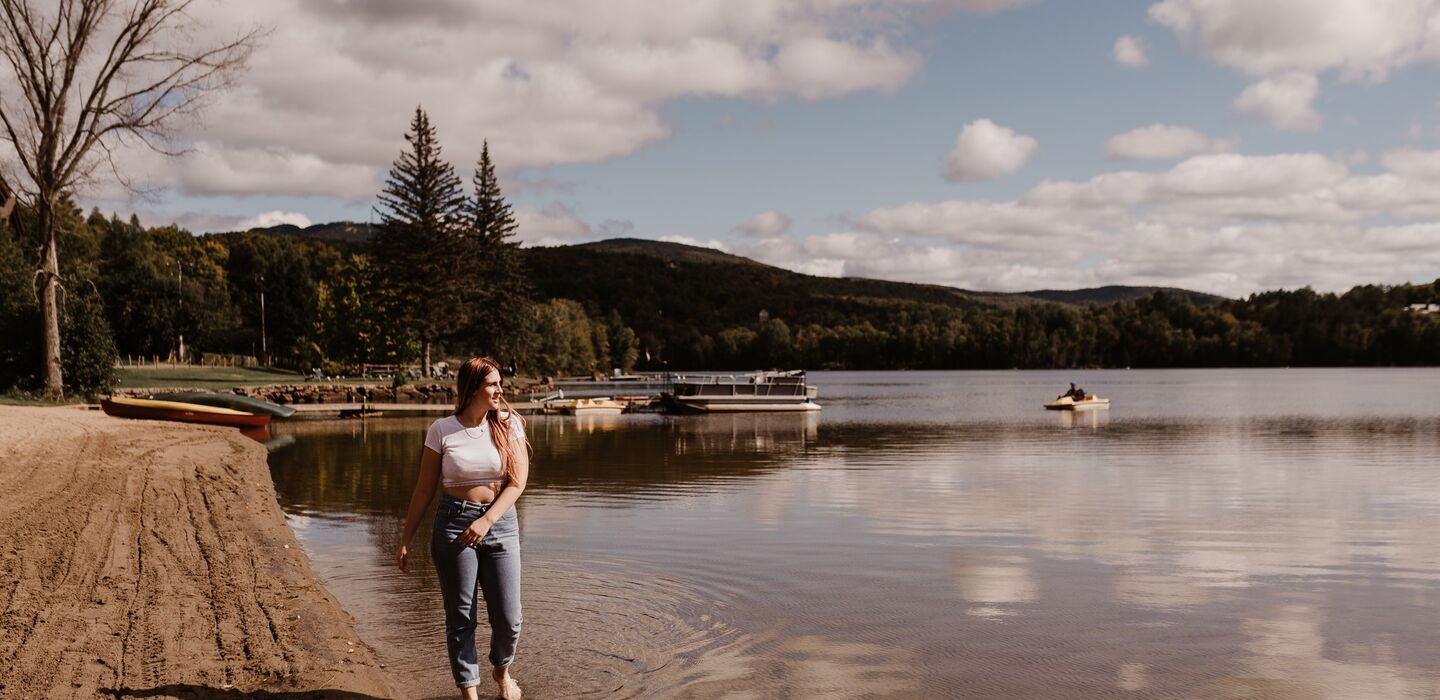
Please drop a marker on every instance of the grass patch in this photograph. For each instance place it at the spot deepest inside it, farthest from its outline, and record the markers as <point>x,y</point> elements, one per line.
<point>221,378</point>
<point>23,398</point>
<point>209,377</point>
<point>18,398</point>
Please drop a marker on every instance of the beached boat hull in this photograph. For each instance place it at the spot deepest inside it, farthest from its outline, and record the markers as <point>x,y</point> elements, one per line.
<point>234,402</point>
<point>148,409</point>
<point>1069,404</point>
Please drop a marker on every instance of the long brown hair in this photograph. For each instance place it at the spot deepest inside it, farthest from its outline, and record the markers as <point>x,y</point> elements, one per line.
<point>467,384</point>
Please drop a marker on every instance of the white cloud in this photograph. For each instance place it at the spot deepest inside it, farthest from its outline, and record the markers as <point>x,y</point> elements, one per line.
<point>1421,165</point>
<point>981,6</point>
<point>1352,157</point>
<point>555,224</point>
<point>985,151</point>
<point>1212,182</point>
<point>687,240</point>
<point>817,67</point>
<point>1233,174</point>
<point>330,94</point>
<point>1130,51</point>
<point>1162,142</point>
<point>1358,38</point>
<point>274,218</point>
<point>845,245</point>
<point>212,169</point>
<point>1224,223</point>
<point>1232,260</point>
<point>195,222</point>
<point>1391,194</point>
<point>1286,102</point>
<point>1007,225</point>
<point>1289,43</point>
<point>767,224</point>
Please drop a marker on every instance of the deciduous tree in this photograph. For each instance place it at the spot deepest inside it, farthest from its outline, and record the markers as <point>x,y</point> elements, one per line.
<point>78,77</point>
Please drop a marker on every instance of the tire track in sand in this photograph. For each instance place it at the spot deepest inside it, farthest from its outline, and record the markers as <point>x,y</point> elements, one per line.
<point>142,558</point>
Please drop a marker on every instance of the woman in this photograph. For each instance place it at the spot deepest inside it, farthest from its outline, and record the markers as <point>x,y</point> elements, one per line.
<point>480,456</point>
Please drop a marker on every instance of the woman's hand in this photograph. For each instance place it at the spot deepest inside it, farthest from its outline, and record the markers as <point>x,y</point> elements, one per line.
<point>402,557</point>
<point>476,532</point>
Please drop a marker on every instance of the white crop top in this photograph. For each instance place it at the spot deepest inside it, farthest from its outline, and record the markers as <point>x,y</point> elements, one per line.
<point>468,456</point>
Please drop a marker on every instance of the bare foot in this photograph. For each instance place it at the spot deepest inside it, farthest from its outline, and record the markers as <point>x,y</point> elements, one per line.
<point>509,689</point>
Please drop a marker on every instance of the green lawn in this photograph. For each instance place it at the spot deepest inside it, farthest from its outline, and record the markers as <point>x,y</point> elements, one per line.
<point>213,377</point>
<point>20,398</point>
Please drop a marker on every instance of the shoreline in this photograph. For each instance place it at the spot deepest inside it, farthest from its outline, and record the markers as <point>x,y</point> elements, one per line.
<point>151,559</point>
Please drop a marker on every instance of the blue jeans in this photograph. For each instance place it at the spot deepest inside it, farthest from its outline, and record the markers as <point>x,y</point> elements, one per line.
<point>494,563</point>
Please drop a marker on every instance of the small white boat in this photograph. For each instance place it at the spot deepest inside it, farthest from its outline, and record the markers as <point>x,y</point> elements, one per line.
<point>586,407</point>
<point>1089,403</point>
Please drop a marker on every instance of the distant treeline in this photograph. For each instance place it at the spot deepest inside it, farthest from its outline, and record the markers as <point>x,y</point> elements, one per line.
<point>132,290</point>
<point>135,291</point>
<point>706,315</point>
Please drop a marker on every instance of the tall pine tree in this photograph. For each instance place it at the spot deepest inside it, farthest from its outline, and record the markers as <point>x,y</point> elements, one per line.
<point>502,331</point>
<point>419,244</point>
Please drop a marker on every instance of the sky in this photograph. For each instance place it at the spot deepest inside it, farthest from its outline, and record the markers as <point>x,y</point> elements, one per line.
<point>1224,146</point>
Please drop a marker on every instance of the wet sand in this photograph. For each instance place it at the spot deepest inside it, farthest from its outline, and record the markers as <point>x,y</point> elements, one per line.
<point>150,559</point>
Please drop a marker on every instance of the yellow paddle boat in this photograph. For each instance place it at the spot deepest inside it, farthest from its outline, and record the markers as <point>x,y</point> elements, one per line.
<point>1089,403</point>
<point>586,407</point>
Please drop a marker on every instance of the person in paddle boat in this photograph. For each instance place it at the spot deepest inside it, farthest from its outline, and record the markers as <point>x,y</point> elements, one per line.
<point>479,458</point>
<point>1075,393</point>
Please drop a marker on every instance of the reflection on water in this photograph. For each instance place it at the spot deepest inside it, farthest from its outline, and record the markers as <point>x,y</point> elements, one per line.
<point>924,535</point>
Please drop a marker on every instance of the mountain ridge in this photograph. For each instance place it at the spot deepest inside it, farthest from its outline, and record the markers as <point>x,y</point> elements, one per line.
<point>672,252</point>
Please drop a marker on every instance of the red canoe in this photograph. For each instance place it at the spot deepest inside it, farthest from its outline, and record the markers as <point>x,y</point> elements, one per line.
<point>184,412</point>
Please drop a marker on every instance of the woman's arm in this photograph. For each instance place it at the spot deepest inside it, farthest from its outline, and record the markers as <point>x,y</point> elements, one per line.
<point>419,499</point>
<point>511,493</point>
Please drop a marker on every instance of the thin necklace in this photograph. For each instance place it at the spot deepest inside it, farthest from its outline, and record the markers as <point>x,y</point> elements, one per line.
<point>480,427</point>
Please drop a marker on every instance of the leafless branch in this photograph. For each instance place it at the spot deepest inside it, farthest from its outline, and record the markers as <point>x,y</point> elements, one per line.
<point>89,74</point>
<point>135,83</point>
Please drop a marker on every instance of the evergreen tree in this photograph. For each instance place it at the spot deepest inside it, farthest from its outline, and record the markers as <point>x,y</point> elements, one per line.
<point>491,215</point>
<point>500,286</point>
<point>419,243</point>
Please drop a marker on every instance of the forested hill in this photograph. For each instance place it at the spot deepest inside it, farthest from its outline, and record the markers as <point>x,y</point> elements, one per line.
<point>695,308</point>
<point>672,252</point>
<point>341,231</point>
<point>681,253</point>
<point>1116,293</point>
<point>359,233</point>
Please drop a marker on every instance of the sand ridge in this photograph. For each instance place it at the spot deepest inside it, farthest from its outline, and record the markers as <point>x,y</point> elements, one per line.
<point>150,559</point>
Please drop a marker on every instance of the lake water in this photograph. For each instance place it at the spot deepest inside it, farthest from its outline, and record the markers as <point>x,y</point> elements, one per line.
<point>1215,534</point>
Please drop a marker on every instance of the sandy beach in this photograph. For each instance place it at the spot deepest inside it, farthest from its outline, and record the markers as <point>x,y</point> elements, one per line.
<point>149,559</point>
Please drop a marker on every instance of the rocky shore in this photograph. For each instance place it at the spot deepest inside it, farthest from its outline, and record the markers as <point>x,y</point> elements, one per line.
<point>322,392</point>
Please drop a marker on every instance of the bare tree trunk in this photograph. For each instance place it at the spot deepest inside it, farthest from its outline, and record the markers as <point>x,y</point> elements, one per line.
<point>81,76</point>
<point>426,370</point>
<point>49,308</point>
